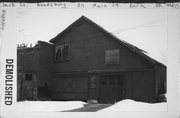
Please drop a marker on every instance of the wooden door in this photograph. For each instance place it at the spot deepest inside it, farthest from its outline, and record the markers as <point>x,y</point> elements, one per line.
<point>103,89</point>
<point>70,88</point>
<point>111,89</point>
<point>28,86</point>
<point>120,84</point>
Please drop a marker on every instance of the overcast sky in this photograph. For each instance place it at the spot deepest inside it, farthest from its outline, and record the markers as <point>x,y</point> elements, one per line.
<point>146,29</point>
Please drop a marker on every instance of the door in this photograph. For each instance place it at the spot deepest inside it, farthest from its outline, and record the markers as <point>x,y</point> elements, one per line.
<point>111,89</point>
<point>70,88</point>
<point>28,86</point>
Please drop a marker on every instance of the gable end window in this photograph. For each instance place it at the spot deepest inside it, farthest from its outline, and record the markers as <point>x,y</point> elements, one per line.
<point>112,57</point>
<point>62,53</point>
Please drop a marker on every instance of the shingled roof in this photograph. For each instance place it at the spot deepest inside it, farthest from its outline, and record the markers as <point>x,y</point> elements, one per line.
<point>128,45</point>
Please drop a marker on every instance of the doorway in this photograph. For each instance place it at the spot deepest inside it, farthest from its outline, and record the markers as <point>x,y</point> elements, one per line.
<point>28,86</point>
<point>111,88</point>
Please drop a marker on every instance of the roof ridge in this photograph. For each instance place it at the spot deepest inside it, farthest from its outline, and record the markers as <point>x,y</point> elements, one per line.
<point>128,45</point>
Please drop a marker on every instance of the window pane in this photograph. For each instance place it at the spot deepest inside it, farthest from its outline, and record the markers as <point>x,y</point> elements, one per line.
<point>59,54</point>
<point>62,53</point>
<point>28,77</point>
<point>112,81</point>
<point>93,82</point>
<point>112,57</point>
<point>65,52</point>
<point>104,80</point>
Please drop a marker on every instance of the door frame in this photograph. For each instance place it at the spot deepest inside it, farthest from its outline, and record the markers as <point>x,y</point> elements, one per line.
<point>122,75</point>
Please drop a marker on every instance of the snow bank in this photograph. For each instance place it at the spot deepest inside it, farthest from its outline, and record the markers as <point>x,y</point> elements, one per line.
<point>131,105</point>
<point>48,106</point>
<point>51,109</point>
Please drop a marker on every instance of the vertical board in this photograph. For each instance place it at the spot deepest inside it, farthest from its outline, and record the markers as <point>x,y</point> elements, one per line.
<point>143,86</point>
<point>70,88</point>
<point>111,88</point>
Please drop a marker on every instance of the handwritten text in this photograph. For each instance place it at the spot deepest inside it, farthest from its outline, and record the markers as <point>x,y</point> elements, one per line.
<point>3,16</point>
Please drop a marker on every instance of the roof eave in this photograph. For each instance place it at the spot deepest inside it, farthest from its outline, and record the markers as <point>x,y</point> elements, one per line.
<point>151,60</point>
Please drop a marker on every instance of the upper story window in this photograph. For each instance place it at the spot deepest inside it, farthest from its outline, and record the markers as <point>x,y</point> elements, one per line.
<point>112,57</point>
<point>62,53</point>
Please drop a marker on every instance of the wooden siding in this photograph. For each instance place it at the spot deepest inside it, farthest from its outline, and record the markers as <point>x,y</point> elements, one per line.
<point>87,51</point>
<point>140,85</point>
<point>70,88</point>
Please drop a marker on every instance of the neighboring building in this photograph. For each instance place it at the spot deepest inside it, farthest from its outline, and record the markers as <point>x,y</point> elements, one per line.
<point>85,62</point>
<point>35,66</point>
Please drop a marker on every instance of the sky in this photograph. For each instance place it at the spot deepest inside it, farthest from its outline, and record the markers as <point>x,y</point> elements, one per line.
<point>146,29</point>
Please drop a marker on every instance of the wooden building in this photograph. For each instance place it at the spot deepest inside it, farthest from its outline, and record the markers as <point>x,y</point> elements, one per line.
<point>34,65</point>
<point>92,64</point>
<point>85,62</point>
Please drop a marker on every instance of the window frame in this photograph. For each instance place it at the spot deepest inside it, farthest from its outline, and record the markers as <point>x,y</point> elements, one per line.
<point>62,46</point>
<point>109,63</point>
<point>93,82</point>
<point>31,77</point>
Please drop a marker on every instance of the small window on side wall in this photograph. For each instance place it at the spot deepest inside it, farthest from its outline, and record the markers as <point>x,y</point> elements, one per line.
<point>28,77</point>
<point>62,53</point>
<point>112,57</point>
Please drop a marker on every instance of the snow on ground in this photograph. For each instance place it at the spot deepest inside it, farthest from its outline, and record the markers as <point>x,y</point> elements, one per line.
<point>53,106</point>
<point>50,109</point>
<point>131,105</point>
<point>48,106</point>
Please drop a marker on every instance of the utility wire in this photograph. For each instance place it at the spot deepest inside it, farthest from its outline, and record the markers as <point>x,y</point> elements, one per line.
<point>144,25</point>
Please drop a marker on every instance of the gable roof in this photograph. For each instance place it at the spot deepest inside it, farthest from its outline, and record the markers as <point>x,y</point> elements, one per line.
<point>128,45</point>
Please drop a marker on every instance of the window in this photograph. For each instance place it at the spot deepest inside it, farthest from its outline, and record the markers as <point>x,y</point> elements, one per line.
<point>28,77</point>
<point>112,57</point>
<point>62,53</point>
<point>93,81</point>
<point>104,81</point>
<point>120,81</point>
<point>112,81</point>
